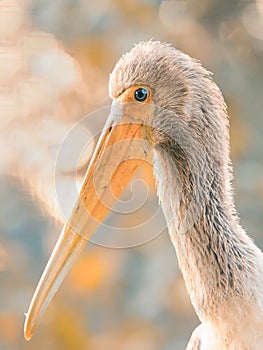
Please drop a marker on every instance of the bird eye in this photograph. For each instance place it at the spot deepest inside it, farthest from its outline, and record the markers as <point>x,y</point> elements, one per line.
<point>140,94</point>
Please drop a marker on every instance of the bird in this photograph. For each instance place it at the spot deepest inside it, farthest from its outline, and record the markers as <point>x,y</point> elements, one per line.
<point>165,102</point>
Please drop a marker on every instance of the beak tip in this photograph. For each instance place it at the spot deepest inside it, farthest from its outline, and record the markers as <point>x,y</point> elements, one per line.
<point>28,333</point>
<point>27,336</point>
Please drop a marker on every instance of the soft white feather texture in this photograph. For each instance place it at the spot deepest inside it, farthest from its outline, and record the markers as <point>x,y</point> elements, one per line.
<point>222,267</point>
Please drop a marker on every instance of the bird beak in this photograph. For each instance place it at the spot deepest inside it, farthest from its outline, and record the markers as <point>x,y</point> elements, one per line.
<point>121,149</point>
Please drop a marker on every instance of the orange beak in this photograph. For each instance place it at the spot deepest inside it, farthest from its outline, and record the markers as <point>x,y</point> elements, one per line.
<point>121,149</point>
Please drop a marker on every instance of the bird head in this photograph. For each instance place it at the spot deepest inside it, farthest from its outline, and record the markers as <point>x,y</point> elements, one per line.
<point>161,99</point>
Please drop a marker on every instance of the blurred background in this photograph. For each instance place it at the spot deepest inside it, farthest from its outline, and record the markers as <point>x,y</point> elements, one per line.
<point>55,60</point>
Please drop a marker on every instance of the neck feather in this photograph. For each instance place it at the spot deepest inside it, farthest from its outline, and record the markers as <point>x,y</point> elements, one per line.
<point>220,264</point>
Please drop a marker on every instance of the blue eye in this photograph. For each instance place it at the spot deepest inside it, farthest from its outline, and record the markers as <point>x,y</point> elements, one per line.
<point>140,94</point>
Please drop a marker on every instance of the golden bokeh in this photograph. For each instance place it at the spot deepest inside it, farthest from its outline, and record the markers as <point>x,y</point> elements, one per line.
<point>55,60</point>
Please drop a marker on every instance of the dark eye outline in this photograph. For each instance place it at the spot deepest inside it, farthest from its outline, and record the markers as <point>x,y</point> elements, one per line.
<point>140,94</point>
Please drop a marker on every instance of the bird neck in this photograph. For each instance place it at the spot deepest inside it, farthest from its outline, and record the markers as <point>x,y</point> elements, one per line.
<point>220,264</point>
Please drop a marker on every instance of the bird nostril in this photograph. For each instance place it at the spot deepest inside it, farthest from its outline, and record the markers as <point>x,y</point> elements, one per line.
<point>140,94</point>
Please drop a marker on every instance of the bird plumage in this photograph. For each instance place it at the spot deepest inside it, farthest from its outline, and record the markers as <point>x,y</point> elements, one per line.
<point>222,267</point>
<point>163,99</point>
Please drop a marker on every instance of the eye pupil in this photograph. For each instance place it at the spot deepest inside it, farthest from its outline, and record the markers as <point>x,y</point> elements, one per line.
<point>140,94</point>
